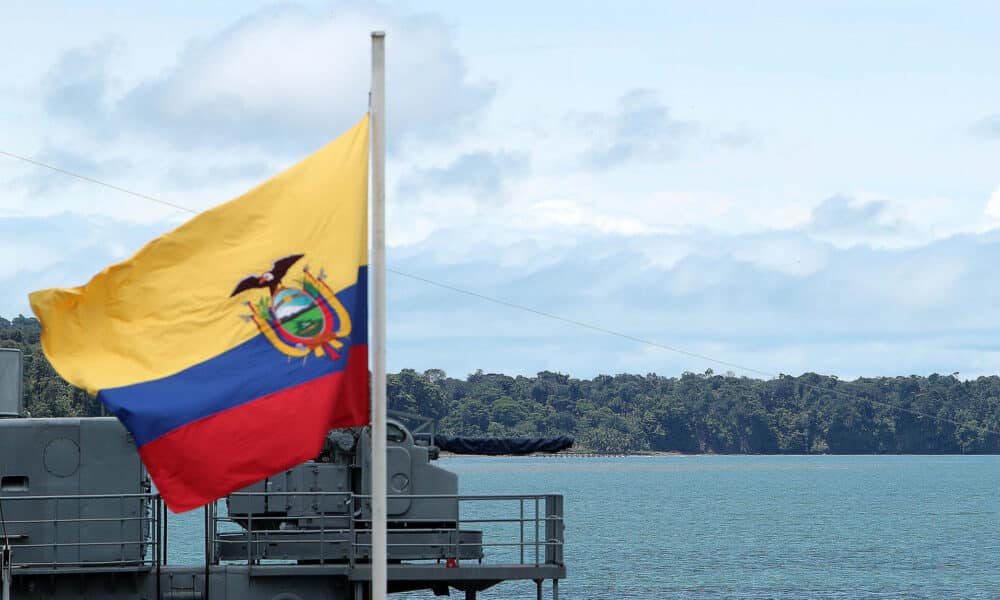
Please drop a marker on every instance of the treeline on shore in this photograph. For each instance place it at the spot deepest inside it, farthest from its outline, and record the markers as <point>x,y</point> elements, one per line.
<point>693,413</point>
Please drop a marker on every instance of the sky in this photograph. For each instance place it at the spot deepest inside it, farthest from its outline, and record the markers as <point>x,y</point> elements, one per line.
<point>776,187</point>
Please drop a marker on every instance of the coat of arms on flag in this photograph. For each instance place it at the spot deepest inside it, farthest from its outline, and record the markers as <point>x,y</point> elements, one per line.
<point>297,320</point>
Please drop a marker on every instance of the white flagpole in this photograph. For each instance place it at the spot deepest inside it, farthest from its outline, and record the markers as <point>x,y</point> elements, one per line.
<point>378,471</point>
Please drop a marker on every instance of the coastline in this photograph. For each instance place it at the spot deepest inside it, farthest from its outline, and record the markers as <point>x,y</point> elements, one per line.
<point>658,453</point>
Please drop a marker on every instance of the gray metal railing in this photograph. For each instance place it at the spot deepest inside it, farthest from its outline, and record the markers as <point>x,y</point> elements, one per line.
<point>495,529</point>
<point>56,532</point>
<point>128,531</point>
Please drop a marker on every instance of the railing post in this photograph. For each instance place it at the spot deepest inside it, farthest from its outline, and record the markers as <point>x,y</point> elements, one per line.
<point>156,531</point>
<point>250,536</point>
<point>159,548</point>
<point>166,531</point>
<point>55,535</point>
<point>121,529</point>
<point>5,568</point>
<point>458,530</point>
<point>208,553</point>
<point>521,524</point>
<point>554,532</point>
<point>353,539</point>
<point>537,515</point>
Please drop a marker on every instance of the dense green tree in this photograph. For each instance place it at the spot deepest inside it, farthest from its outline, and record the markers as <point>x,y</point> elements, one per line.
<point>696,412</point>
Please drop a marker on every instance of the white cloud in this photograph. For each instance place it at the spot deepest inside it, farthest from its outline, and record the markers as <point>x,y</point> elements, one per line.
<point>565,214</point>
<point>791,254</point>
<point>850,311</point>
<point>881,221</point>
<point>288,76</point>
<point>987,128</point>
<point>61,250</point>
<point>25,256</point>
<point>270,88</point>
<point>993,206</point>
<point>641,128</point>
<point>645,216</point>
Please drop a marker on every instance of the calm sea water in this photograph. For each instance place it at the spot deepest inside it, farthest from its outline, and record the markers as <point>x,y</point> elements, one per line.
<point>750,526</point>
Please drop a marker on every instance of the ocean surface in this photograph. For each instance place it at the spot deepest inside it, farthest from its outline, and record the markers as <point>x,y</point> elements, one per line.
<point>748,526</point>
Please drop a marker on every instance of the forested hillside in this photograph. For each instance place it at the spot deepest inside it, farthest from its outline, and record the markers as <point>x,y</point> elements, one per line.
<point>702,412</point>
<point>45,393</point>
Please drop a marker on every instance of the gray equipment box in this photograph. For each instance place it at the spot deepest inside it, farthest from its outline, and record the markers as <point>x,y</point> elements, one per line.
<point>11,383</point>
<point>92,466</point>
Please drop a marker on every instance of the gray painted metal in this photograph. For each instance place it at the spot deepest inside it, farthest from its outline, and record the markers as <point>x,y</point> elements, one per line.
<point>83,522</point>
<point>412,462</point>
<point>239,582</point>
<point>344,545</point>
<point>74,492</point>
<point>11,378</point>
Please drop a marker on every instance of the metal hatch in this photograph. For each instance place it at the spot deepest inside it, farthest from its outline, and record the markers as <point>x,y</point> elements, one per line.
<point>398,469</point>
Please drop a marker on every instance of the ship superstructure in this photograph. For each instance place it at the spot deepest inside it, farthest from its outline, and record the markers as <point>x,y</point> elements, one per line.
<point>82,521</point>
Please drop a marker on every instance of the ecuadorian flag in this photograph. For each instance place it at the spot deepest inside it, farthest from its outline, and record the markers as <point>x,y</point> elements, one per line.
<point>229,346</point>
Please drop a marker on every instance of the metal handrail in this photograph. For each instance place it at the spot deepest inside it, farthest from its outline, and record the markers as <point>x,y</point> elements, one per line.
<point>460,497</point>
<point>87,544</point>
<point>351,529</point>
<point>546,525</point>
<point>149,495</point>
<point>74,520</point>
<point>305,540</point>
<point>102,563</point>
<point>138,534</point>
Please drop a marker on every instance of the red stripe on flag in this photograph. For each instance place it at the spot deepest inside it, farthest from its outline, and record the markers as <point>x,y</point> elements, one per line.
<point>227,451</point>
